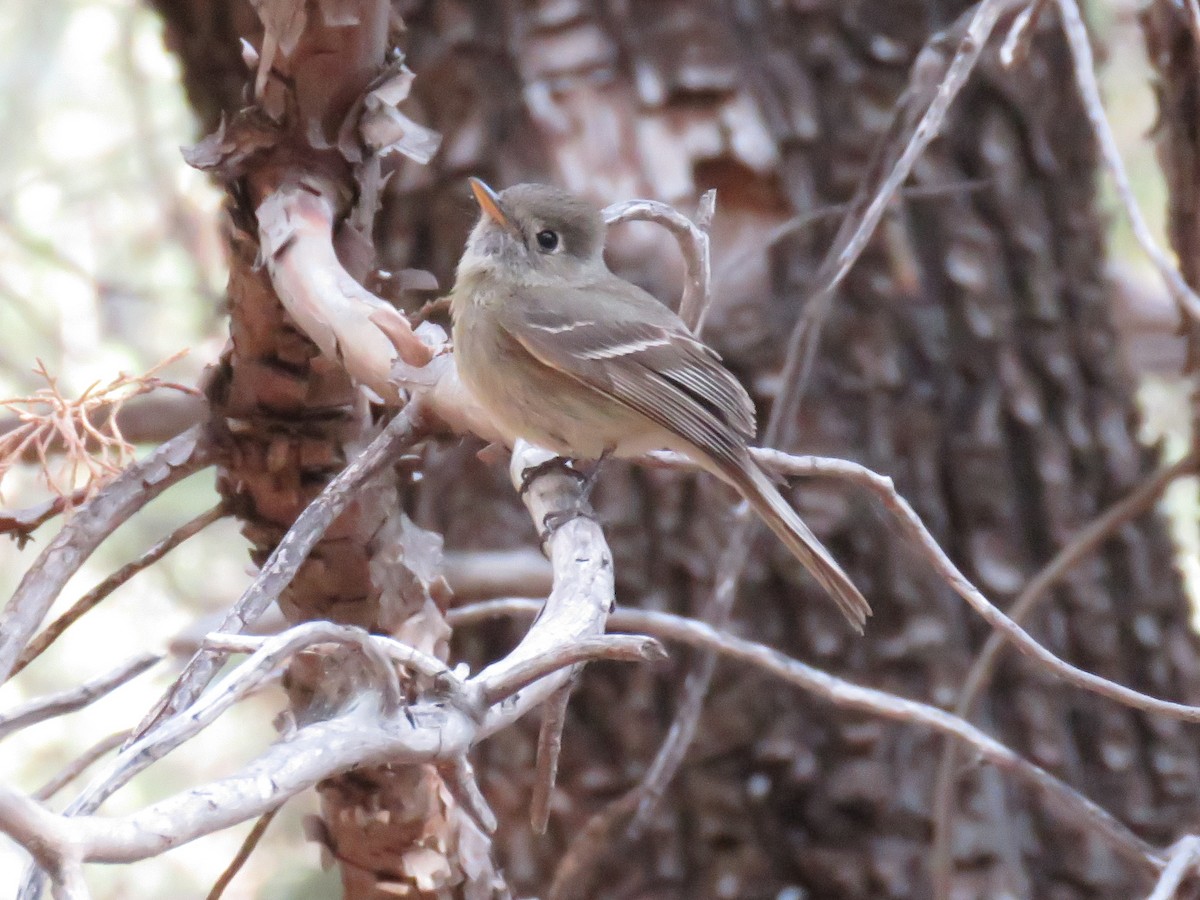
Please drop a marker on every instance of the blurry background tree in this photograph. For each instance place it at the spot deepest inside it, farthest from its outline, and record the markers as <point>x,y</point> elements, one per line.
<point>973,356</point>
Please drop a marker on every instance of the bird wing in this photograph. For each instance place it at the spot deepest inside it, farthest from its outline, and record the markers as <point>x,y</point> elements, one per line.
<point>642,356</point>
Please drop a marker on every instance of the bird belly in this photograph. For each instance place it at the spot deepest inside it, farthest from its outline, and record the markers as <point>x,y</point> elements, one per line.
<point>530,400</point>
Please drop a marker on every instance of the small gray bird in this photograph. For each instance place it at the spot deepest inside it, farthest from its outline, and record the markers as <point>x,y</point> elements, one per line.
<point>568,356</point>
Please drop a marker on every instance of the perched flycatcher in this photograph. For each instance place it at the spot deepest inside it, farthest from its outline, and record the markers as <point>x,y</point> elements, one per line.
<point>568,356</point>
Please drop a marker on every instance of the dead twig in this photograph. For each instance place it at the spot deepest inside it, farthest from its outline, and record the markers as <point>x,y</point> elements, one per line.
<point>549,746</point>
<point>1086,542</point>
<point>693,241</point>
<point>75,698</point>
<point>1062,800</point>
<point>1089,90</point>
<point>239,859</point>
<point>96,595</point>
<point>624,648</point>
<point>75,767</point>
<point>914,529</point>
<point>1181,862</point>
<point>136,486</point>
<point>85,428</point>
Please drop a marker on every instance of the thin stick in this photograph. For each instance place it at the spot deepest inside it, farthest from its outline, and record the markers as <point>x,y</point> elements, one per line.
<point>401,433</point>
<point>460,776</point>
<point>852,238</point>
<point>549,746</point>
<point>136,486</point>
<point>693,243</point>
<point>92,598</point>
<point>76,767</point>
<point>76,698</point>
<point>1089,90</point>
<point>1181,861</point>
<point>1062,800</point>
<point>248,846</point>
<point>860,224</point>
<point>617,647</point>
<point>912,526</point>
<point>1085,543</point>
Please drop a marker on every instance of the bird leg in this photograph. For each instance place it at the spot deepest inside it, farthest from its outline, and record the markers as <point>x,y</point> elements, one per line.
<point>560,464</point>
<point>582,506</point>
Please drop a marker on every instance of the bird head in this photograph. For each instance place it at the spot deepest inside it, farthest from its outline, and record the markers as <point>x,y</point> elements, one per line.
<point>535,232</point>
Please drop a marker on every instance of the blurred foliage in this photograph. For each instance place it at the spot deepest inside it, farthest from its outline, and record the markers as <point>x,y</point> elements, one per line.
<point>111,260</point>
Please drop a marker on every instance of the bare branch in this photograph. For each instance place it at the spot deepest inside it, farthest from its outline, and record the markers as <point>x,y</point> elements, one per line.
<point>1110,151</point>
<point>401,433</point>
<point>481,574</point>
<point>549,746</point>
<point>693,242</point>
<point>136,486</point>
<point>351,325</point>
<point>933,86</point>
<point>75,767</point>
<point>377,647</point>
<point>1086,542</point>
<point>623,648</point>
<point>75,698</point>
<point>239,859</point>
<point>1063,800</point>
<point>460,776</point>
<point>912,526</point>
<point>1181,862</point>
<point>583,585</point>
<point>92,598</point>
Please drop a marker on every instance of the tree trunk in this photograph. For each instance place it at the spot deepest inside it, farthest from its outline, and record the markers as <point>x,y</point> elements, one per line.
<point>970,356</point>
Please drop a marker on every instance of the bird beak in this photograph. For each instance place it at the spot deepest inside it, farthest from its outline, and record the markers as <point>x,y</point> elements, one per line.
<point>489,202</point>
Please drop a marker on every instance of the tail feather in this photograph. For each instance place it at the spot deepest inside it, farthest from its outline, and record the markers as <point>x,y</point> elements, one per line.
<point>771,507</point>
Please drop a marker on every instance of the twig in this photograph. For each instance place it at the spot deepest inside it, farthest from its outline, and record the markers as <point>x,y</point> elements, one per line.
<point>480,574</point>
<point>549,746</point>
<point>22,523</point>
<point>1015,48</point>
<point>136,486</point>
<point>1110,151</point>
<point>1181,861</point>
<point>682,732</point>
<point>860,223</point>
<point>912,526</point>
<point>421,732</point>
<point>352,326</point>
<point>620,647</point>
<point>92,598</point>
<point>248,846</point>
<point>76,698</point>
<point>1086,542</point>
<point>857,228</point>
<point>583,593</point>
<point>1063,800</point>
<point>401,433</point>
<point>75,767</point>
<point>250,675</point>
<point>693,242</point>
<point>377,645</point>
<point>460,776</point>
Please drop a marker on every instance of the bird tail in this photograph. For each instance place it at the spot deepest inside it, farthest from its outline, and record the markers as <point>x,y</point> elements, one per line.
<point>773,509</point>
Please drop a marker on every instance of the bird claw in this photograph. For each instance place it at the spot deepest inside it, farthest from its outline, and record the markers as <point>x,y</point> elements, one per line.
<point>552,521</point>
<point>560,464</point>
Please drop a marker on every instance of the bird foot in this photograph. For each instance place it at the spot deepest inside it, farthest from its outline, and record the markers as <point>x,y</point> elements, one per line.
<point>560,464</point>
<point>552,521</point>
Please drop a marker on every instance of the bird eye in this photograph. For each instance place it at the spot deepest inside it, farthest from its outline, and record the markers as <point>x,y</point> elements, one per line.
<point>547,240</point>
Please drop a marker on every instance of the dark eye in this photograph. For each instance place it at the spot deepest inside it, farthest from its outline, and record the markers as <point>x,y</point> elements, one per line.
<point>547,240</point>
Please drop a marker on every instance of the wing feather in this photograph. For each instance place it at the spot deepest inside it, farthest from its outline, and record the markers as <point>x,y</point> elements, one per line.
<point>648,362</point>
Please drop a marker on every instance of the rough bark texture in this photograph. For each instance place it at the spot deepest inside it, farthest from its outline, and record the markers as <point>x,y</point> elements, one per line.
<point>971,357</point>
<point>292,417</point>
